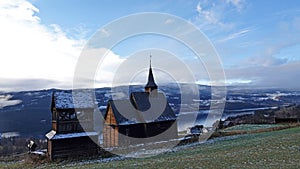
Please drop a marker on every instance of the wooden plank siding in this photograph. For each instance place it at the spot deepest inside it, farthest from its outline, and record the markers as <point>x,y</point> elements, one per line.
<point>82,146</point>
<point>50,152</point>
<point>54,125</point>
<point>111,135</point>
<point>111,131</point>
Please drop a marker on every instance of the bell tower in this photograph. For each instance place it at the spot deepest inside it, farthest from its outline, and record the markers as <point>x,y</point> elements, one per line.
<point>151,85</point>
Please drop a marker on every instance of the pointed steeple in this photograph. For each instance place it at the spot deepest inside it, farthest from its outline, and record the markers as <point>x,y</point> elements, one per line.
<point>151,85</point>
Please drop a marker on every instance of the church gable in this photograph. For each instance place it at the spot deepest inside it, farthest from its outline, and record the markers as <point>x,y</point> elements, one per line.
<point>154,106</point>
<point>110,117</point>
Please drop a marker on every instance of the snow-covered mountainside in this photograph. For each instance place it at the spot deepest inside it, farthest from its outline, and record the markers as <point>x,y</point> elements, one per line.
<point>29,112</point>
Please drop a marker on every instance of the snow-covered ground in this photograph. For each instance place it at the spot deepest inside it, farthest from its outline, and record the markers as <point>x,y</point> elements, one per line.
<point>5,100</point>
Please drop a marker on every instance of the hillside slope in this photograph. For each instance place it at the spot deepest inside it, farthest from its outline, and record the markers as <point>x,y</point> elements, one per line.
<point>277,149</point>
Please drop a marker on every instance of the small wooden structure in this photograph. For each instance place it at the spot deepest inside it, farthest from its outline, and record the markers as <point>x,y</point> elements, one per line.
<point>144,115</point>
<point>72,126</point>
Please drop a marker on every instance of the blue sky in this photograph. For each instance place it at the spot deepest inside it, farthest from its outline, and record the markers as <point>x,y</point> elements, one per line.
<point>258,41</point>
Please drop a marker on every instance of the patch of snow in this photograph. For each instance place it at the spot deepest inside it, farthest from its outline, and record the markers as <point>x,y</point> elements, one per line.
<point>5,101</point>
<point>128,122</point>
<point>102,107</point>
<point>231,100</point>
<point>252,109</point>
<point>9,134</point>
<point>72,135</point>
<point>40,152</point>
<point>53,136</point>
<point>74,100</point>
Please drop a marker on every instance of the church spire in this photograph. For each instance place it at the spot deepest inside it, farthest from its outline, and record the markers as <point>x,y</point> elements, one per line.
<point>151,85</point>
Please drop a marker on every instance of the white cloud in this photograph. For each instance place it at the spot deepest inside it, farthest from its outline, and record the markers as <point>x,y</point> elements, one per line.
<point>237,81</point>
<point>20,10</point>
<point>108,67</point>
<point>238,4</point>
<point>213,13</point>
<point>235,35</point>
<point>199,8</point>
<point>266,61</point>
<point>30,50</point>
<point>276,76</point>
<point>210,15</point>
<point>36,56</point>
<point>272,55</point>
<point>264,53</point>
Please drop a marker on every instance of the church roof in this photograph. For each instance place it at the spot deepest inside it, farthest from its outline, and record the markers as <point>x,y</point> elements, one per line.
<point>155,104</point>
<point>64,99</point>
<point>142,107</point>
<point>124,112</point>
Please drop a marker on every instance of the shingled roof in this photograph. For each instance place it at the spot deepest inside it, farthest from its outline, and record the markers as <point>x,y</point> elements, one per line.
<point>124,112</point>
<point>65,100</point>
<point>153,106</point>
<point>142,107</point>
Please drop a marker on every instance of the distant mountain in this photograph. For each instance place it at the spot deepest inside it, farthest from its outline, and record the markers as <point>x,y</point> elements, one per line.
<point>29,113</point>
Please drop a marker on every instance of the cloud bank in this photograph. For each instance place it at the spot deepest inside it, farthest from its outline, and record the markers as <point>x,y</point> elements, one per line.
<point>36,56</point>
<point>32,51</point>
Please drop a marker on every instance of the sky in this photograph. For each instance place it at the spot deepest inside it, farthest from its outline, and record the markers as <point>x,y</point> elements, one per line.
<point>258,42</point>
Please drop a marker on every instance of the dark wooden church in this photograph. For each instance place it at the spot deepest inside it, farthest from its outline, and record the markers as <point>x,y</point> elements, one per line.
<point>72,131</point>
<point>144,115</point>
